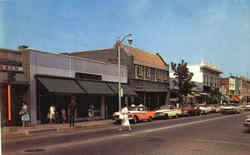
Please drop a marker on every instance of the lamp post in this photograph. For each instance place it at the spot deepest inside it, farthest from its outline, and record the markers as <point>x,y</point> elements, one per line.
<point>118,46</point>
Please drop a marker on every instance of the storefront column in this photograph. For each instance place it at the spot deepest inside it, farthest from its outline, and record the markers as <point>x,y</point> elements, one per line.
<point>126,100</point>
<point>32,102</point>
<point>167,98</point>
<point>103,107</point>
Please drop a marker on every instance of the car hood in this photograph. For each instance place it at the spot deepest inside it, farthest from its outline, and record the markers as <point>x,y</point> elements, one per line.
<point>228,107</point>
<point>163,110</point>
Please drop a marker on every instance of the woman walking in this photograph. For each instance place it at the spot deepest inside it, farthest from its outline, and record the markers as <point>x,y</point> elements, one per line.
<point>125,121</point>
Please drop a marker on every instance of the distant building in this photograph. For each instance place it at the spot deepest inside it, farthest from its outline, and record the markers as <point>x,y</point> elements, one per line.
<point>207,74</point>
<point>232,87</point>
<point>245,88</point>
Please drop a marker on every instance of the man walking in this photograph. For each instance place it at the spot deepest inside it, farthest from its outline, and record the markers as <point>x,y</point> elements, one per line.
<point>72,108</point>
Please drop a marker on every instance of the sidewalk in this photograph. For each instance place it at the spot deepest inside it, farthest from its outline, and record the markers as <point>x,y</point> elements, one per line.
<point>41,128</point>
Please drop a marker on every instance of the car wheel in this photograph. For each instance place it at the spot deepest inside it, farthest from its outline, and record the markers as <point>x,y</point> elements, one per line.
<point>150,119</point>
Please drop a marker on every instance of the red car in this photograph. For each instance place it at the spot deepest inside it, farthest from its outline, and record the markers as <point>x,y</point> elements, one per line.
<point>190,110</point>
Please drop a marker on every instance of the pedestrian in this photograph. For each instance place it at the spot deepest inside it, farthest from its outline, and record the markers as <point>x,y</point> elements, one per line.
<point>72,109</point>
<point>124,119</point>
<point>91,112</point>
<point>64,118</point>
<point>24,114</point>
<point>52,113</point>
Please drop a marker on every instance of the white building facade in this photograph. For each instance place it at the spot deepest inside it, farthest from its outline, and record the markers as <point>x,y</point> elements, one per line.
<point>207,74</point>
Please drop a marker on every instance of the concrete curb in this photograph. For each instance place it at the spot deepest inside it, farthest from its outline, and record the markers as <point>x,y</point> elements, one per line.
<point>12,132</point>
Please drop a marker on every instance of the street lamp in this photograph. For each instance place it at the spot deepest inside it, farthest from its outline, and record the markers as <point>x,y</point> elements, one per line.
<point>118,46</point>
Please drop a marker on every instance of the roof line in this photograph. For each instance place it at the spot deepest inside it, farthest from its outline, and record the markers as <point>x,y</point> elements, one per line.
<point>90,50</point>
<point>158,54</point>
<point>138,49</point>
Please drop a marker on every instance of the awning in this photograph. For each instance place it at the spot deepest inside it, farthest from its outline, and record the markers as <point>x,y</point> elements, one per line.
<point>96,87</point>
<point>128,91</point>
<point>236,98</point>
<point>225,98</point>
<point>58,85</point>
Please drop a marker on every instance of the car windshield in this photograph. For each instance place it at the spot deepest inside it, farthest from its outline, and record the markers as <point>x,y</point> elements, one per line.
<point>165,107</point>
<point>132,108</point>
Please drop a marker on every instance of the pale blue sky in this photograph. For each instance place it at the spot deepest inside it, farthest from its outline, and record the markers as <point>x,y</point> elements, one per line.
<point>217,31</point>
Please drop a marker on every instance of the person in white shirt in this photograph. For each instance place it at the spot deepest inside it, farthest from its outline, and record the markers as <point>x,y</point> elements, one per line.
<point>125,121</point>
<point>52,113</point>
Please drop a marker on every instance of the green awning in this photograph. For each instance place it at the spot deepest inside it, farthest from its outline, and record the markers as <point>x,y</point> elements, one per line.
<point>96,87</point>
<point>127,91</point>
<point>58,85</point>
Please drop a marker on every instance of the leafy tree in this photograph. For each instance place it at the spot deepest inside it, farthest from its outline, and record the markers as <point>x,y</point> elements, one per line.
<point>182,80</point>
<point>214,95</point>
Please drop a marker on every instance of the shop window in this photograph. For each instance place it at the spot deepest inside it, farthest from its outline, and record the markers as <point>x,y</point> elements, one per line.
<point>158,75</point>
<point>165,76</point>
<point>148,73</point>
<point>139,71</point>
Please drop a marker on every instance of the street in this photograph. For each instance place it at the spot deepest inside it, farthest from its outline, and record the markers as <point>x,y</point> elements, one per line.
<point>212,134</point>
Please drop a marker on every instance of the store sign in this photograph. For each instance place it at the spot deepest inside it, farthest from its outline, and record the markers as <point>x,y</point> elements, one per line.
<point>139,87</point>
<point>11,68</point>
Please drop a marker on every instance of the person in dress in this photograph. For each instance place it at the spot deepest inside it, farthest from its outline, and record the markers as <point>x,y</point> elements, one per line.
<point>124,119</point>
<point>52,113</point>
<point>24,114</point>
<point>64,118</point>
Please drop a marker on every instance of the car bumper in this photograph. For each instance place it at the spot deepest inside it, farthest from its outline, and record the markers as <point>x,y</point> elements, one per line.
<point>229,111</point>
<point>160,115</point>
<point>246,124</point>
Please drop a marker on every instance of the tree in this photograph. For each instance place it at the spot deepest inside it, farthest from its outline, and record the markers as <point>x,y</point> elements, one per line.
<point>182,80</point>
<point>214,95</point>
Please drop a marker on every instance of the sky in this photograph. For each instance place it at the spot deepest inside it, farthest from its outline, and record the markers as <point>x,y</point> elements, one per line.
<point>216,31</point>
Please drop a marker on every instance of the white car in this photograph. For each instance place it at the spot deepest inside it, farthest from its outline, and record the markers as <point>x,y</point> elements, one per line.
<point>246,122</point>
<point>167,111</point>
<point>230,109</point>
<point>205,109</point>
<point>247,107</point>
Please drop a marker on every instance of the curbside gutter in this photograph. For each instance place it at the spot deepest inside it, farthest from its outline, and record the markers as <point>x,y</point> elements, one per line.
<point>20,131</point>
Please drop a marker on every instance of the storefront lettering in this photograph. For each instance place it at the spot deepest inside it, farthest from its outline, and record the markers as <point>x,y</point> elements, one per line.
<point>11,68</point>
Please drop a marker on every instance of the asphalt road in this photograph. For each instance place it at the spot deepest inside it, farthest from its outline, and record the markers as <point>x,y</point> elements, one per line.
<point>200,135</point>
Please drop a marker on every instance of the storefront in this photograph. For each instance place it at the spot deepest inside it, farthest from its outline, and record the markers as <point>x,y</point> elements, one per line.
<point>13,90</point>
<point>100,96</point>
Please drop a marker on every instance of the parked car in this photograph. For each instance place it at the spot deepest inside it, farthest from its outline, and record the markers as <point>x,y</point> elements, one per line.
<point>212,108</point>
<point>230,109</point>
<point>136,114</point>
<point>217,108</point>
<point>190,110</point>
<point>246,122</point>
<point>247,107</point>
<point>167,111</point>
<point>204,109</point>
